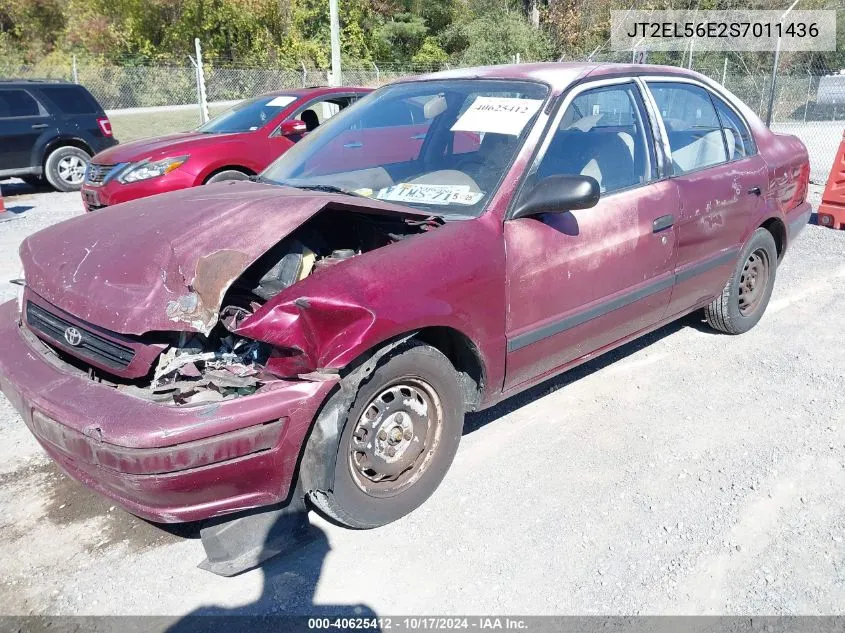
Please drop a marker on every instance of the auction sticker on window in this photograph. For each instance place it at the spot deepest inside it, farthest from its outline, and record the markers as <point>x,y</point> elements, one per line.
<point>281,102</point>
<point>500,115</point>
<point>430,194</point>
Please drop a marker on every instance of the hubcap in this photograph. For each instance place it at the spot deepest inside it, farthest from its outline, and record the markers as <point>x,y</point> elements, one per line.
<point>72,169</point>
<point>753,281</point>
<point>395,438</point>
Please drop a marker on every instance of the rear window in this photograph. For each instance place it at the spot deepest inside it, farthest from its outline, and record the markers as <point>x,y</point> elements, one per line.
<point>72,99</point>
<point>16,103</point>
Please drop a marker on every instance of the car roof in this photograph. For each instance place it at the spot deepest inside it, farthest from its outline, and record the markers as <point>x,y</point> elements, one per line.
<point>558,75</point>
<point>315,91</point>
<point>41,83</point>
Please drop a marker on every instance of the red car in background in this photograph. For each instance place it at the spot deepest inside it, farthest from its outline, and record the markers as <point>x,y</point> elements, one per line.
<point>233,146</point>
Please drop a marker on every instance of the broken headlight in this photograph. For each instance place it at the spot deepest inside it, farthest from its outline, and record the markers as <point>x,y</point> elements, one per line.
<point>146,170</point>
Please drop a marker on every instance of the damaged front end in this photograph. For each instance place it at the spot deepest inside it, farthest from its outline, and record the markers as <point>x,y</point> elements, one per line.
<point>197,369</point>
<point>233,335</point>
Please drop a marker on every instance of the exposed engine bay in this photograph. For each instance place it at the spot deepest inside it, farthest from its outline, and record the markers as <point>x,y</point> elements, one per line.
<point>195,368</point>
<point>328,239</point>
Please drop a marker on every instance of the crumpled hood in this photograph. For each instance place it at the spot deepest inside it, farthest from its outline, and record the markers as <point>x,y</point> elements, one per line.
<point>165,262</point>
<point>157,147</point>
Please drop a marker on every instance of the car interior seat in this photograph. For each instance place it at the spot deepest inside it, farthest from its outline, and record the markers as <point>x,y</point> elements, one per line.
<point>611,160</point>
<point>692,149</point>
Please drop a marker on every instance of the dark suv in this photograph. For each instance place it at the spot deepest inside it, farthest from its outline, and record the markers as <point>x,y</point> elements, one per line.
<point>50,129</point>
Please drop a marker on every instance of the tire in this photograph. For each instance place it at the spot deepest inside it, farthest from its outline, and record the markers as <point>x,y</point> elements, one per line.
<point>229,174</point>
<point>746,295</point>
<point>65,168</point>
<point>335,460</point>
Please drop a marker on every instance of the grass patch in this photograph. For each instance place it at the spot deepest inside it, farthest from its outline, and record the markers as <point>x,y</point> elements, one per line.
<point>130,127</point>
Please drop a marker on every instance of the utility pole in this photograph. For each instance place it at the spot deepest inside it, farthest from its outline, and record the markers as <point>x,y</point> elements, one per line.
<point>203,99</point>
<point>775,66</point>
<point>335,34</point>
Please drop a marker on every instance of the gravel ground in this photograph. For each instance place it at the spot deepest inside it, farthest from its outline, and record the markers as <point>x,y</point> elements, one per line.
<point>689,472</point>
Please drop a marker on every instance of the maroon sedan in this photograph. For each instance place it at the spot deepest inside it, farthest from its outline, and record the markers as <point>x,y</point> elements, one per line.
<point>235,145</point>
<point>330,325</point>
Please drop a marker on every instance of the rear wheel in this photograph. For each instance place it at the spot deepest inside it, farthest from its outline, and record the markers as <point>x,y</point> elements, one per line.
<point>390,448</point>
<point>229,174</point>
<point>65,168</point>
<point>746,295</point>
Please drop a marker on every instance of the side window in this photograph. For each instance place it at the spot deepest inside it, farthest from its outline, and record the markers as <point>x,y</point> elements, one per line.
<point>317,113</point>
<point>17,103</point>
<point>603,134</point>
<point>694,131</point>
<point>71,99</point>
<point>737,137</point>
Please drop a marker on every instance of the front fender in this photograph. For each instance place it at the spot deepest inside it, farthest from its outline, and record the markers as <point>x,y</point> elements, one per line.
<point>450,277</point>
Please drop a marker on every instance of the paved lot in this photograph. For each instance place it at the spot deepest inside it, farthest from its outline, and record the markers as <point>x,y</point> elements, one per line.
<point>689,472</point>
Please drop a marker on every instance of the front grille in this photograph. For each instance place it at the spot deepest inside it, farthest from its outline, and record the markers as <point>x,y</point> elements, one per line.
<point>96,174</point>
<point>91,346</point>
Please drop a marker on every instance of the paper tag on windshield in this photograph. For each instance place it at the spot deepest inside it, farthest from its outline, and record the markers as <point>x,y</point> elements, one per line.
<point>430,194</point>
<point>500,115</point>
<point>280,102</point>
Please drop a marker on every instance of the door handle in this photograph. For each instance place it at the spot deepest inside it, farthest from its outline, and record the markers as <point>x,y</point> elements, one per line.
<point>755,190</point>
<point>353,145</point>
<point>418,137</point>
<point>662,223</point>
<point>39,126</point>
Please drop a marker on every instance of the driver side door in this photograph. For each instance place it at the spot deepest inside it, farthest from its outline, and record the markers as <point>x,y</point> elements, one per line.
<point>579,281</point>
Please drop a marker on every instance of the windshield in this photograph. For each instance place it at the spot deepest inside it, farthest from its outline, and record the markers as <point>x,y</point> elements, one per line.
<point>442,146</point>
<point>248,115</point>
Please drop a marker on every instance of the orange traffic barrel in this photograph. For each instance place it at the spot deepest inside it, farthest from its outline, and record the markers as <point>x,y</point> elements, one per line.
<point>832,209</point>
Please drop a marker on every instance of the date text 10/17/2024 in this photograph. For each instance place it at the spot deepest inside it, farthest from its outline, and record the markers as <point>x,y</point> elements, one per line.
<point>419,623</point>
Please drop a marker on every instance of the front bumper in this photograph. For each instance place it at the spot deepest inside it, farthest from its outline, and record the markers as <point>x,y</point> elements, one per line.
<point>114,192</point>
<point>164,463</point>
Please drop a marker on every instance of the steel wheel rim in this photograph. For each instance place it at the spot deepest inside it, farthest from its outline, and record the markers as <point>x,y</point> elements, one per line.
<point>395,437</point>
<point>71,169</point>
<point>753,281</point>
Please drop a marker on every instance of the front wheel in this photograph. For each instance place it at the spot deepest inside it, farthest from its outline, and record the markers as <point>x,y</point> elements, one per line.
<point>229,174</point>
<point>746,295</point>
<point>370,461</point>
<point>65,168</point>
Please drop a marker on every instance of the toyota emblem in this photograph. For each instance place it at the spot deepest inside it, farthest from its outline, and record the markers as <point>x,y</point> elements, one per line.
<point>73,336</point>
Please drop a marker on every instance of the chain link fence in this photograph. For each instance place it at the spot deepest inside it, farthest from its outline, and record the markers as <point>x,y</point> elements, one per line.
<point>149,100</point>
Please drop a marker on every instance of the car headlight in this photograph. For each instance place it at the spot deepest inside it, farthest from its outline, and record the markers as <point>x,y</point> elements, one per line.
<point>146,170</point>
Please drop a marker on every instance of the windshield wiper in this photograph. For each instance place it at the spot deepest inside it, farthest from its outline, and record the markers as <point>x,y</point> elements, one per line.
<point>327,189</point>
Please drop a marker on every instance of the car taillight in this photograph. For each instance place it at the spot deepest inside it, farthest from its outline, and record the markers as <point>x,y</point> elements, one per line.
<point>105,125</point>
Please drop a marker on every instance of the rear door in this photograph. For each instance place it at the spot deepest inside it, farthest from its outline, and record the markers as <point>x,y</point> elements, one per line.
<point>396,136</point>
<point>721,180</point>
<point>76,112</point>
<point>581,280</point>
<point>23,120</point>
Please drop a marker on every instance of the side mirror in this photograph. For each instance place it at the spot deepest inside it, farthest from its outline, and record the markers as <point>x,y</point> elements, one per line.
<point>558,194</point>
<point>292,127</point>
